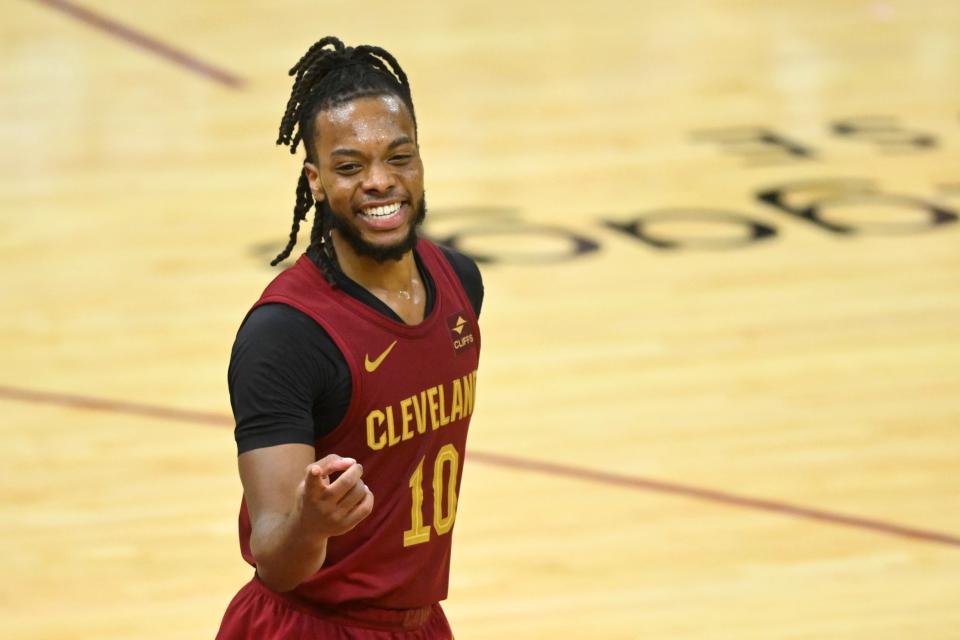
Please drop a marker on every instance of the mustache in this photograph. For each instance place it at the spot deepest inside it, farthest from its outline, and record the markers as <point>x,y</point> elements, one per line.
<point>327,220</point>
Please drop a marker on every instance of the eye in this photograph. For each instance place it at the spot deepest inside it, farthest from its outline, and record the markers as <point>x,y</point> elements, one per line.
<point>401,158</point>
<point>347,168</point>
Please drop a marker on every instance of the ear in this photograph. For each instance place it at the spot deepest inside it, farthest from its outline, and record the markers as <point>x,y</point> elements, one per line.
<point>313,177</point>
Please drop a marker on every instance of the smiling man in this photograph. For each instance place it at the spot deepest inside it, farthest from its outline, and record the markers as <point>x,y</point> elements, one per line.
<point>353,377</point>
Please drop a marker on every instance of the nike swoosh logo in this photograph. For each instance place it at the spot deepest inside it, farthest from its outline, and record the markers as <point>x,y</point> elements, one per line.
<point>372,366</point>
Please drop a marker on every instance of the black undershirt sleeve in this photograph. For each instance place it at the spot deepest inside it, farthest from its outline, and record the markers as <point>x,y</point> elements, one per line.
<point>469,274</point>
<point>288,381</point>
<point>285,376</point>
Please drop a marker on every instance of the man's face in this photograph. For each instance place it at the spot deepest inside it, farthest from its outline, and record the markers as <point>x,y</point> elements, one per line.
<point>369,176</point>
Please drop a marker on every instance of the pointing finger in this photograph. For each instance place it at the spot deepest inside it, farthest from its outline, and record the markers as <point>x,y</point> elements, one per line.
<point>318,474</point>
<point>331,464</point>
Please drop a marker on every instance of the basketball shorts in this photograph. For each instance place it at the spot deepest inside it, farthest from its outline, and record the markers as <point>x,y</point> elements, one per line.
<point>257,613</point>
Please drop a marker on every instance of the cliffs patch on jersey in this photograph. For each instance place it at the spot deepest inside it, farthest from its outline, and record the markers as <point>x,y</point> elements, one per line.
<point>460,332</point>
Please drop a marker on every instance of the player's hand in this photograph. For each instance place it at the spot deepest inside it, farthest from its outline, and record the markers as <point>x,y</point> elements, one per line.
<point>333,507</point>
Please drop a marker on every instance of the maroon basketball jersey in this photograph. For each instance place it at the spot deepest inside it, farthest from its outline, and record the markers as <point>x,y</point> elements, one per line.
<point>412,398</point>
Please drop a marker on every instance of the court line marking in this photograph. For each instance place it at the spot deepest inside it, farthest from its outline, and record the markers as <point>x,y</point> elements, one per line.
<point>712,495</point>
<point>146,42</point>
<point>513,462</point>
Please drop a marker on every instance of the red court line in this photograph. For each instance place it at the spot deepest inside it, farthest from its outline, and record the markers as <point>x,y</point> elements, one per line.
<point>143,41</point>
<point>515,463</point>
<point>711,495</point>
<point>114,406</point>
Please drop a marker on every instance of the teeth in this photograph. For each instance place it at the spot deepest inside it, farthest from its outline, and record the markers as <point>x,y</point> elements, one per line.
<point>382,212</point>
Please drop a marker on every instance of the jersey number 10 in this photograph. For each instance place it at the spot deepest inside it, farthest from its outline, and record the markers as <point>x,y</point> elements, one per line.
<point>418,533</point>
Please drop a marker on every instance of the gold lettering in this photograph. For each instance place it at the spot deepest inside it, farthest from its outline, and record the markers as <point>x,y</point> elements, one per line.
<point>375,419</point>
<point>420,410</point>
<point>407,417</point>
<point>391,430</point>
<point>429,407</point>
<point>467,395</point>
<point>432,399</point>
<point>456,411</point>
<point>444,418</point>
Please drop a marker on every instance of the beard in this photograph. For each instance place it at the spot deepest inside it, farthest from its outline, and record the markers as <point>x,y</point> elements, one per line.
<point>379,253</point>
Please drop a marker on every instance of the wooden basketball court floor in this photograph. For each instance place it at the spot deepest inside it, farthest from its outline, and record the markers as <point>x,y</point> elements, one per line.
<point>718,395</point>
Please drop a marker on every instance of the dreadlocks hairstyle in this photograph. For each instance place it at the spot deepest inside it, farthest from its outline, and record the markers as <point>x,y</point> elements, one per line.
<point>328,75</point>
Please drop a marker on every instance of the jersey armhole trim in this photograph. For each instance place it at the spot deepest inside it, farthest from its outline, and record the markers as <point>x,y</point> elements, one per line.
<point>341,344</point>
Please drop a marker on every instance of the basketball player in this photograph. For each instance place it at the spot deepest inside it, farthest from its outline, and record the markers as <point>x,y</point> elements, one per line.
<point>352,379</point>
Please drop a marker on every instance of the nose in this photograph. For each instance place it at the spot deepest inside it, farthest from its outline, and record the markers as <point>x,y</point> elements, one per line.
<point>379,178</point>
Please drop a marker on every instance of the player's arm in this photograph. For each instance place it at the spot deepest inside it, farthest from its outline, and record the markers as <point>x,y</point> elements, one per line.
<point>275,377</point>
<point>296,504</point>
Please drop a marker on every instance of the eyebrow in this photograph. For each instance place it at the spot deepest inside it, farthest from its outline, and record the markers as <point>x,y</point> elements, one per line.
<point>353,153</point>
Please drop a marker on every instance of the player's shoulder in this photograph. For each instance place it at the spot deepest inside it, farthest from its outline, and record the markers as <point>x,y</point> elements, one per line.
<point>273,326</point>
<point>463,265</point>
<point>468,272</point>
<point>270,318</point>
